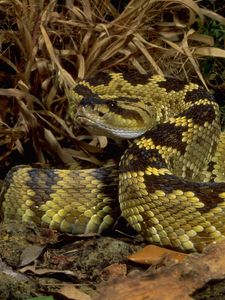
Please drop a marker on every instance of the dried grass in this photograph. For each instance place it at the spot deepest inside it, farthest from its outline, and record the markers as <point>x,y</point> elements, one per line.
<point>48,47</point>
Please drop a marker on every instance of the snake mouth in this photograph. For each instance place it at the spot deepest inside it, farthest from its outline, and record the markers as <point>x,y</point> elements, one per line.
<point>101,129</point>
<point>82,120</point>
<point>96,126</point>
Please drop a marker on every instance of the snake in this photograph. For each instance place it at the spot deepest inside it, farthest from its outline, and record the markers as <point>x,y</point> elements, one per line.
<point>170,182</point>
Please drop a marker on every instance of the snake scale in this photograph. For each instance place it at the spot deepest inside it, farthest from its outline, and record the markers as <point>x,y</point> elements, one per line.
<point>170,180</point>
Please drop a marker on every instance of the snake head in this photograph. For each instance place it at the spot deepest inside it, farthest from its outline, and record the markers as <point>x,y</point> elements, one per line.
<point>121,117</point>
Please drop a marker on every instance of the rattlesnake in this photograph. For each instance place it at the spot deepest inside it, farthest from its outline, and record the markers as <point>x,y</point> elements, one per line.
<point>171,181</point>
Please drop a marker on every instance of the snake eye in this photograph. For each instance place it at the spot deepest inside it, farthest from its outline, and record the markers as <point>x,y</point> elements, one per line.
<point>112,104</point>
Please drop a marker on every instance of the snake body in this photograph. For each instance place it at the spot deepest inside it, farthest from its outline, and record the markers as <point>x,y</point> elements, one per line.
<point>170,181</point>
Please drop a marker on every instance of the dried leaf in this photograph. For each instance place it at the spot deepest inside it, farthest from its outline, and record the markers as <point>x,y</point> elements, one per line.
<point>114,271</point>
<point>55,147</point>
<point>177,281</point>
<point>30,254</point>
<point>71,292</point>
<point>205,39</point>
<point>190,56</point>
<point>103,141</point>
<point>213,15</point>
<point>152,254</point>
<point>45,271</point>
<point>152,62</point>
<point>210,51</point>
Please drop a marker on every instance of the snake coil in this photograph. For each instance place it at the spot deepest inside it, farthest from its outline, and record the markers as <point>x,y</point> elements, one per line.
<point>170,180</point>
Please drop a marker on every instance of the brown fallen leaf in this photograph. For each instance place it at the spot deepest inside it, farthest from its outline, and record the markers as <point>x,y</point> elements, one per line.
<point>71,292</point>
<point>173,282</point>
<point>114,271</point>
<point>29,254</point>
<point>154,255</point>
<point>45,271</point>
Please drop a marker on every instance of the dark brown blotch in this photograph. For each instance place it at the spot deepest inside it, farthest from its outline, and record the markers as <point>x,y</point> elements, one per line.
<point>109,178</point>
<point>100,78</point>
<point>92,100</point>
<point>134,77</point>
<point>41,182</point>
<point>127,113</point>
<point>168,135</point>
<point>141,159</point>
<point>207,193</point>
<point>171,84</point>
<point>200,114</point>
<point>84,91</point>
<point>197,94</point>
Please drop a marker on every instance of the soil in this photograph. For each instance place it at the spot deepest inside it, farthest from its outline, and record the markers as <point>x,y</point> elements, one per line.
<point>37,261</point>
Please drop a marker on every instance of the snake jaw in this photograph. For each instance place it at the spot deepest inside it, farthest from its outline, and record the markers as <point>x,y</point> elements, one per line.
<point>97,127</point>
<point>90,125</point>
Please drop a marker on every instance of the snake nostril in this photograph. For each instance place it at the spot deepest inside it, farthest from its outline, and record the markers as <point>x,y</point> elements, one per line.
<point>101,114</point>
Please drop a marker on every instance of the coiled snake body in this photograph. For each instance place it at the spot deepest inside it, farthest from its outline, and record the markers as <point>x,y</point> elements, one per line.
<point>171,178</point>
